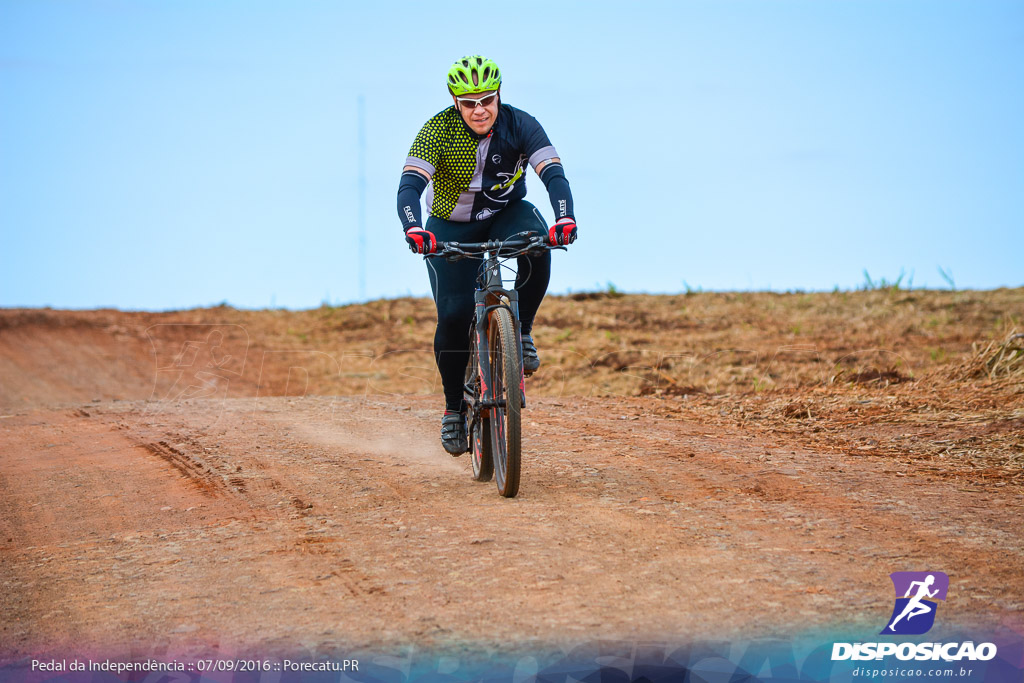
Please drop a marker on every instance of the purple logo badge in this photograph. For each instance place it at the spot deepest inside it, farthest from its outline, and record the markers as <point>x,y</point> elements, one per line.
<point>917,594</point>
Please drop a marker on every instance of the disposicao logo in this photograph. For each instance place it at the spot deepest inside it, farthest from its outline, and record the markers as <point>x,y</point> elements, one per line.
<point>916,596</point>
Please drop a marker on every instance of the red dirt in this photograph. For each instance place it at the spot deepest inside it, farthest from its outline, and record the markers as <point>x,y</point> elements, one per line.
<point>219,481</point>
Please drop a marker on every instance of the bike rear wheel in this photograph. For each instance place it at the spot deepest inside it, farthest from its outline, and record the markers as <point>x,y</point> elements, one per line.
<point>505,420</point>
<point>480,450</point>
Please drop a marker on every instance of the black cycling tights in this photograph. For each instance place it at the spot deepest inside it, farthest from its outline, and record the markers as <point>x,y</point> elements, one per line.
<point>453,285</point>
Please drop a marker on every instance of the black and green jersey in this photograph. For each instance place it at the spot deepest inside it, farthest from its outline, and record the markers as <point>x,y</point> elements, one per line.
<point>475,176</point>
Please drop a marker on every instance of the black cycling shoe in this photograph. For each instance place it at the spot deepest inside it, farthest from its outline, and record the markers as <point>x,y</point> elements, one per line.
<point>531,361</point>
<point>453,432</point>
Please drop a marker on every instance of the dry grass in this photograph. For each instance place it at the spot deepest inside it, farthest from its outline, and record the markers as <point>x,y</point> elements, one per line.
<point>925,379</point>
<point>995,360</point>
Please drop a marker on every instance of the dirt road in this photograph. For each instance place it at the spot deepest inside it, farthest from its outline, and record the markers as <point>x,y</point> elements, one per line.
<point>327,522</point>
<point>700,466</point>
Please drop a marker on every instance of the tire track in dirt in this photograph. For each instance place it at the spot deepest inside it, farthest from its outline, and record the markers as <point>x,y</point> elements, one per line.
<point>340,520</point>
<point>795,529</point>
<point>890,523</point>
<point>190,468</point>
<point>73,485</point>
<point>273,483</point>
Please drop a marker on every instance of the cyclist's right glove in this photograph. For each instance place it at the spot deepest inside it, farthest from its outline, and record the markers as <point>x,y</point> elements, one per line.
<point>563,232</point>
<point>421,241</point>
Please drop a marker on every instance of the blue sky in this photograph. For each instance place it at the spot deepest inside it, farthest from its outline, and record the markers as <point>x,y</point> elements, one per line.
<point>168,155</point>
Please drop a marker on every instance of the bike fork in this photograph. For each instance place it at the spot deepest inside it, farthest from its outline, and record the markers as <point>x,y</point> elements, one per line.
<point>483,355</point>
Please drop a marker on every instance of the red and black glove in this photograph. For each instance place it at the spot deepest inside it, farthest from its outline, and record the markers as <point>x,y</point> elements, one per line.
<point>421,241</point>
<point>563,232</point>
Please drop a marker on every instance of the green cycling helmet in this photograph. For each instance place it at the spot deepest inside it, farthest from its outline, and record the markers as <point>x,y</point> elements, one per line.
<point>473,74</point>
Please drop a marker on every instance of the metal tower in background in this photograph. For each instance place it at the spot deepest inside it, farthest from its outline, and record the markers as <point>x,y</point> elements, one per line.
<point>361,227</point>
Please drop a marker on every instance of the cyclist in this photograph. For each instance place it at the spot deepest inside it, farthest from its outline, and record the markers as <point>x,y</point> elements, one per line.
<point>473,156</point>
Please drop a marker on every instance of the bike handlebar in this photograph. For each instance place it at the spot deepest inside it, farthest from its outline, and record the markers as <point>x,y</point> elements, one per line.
<point>516,245</point>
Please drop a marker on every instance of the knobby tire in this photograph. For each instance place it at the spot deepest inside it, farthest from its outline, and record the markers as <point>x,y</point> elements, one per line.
<point>505,423</point>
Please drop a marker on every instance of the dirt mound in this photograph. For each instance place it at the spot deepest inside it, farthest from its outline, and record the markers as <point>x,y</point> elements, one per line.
<point>593,344</point>
<point>807,363</point>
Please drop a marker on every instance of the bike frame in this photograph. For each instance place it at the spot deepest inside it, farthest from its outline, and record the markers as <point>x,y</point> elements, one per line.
<point>488,297</point>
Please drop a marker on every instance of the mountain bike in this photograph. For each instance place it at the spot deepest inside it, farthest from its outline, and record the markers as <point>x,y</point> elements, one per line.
<point>495,390</point>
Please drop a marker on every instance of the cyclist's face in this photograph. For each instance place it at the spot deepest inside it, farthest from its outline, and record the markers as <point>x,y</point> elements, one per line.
<point>480,118</point>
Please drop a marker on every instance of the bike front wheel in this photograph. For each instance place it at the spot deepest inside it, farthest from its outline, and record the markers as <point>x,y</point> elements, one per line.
<point>506,417</point>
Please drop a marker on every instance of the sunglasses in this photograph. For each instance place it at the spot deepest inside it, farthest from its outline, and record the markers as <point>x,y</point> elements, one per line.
<point>471,103</point>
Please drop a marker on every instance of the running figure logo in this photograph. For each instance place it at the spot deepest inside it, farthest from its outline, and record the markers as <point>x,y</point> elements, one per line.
<point>916,596</point>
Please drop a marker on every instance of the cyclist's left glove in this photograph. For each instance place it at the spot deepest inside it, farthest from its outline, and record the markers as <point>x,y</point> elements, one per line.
<point>421,241</point>
<point>563,232</point>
